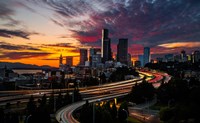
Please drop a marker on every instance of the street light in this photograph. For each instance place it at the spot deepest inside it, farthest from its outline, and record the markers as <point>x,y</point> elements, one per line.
<point>126,113</point>
<point>60,117</point>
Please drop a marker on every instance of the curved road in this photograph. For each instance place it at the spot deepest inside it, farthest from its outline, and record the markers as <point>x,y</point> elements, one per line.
<point>64,115</point>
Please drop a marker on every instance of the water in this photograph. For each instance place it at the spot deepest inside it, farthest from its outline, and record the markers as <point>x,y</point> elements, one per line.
<point>23,71</point>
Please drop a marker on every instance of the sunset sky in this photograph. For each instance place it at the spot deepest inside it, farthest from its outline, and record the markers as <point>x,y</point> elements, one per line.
<point>38,31</point>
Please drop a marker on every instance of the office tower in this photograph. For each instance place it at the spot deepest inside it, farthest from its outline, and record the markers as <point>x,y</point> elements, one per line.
<point>83,56</point>
<point>106,53</point>
<point>96,59</point>
<point>130,62</point>
<point>93,51</point>
<point>122,51</point>
<point>141,59</point>
<point>95,56</point>
<point>195,56</point>
<point>69,60</point>
<point>183,56</point>
<point>147,56</point>
<point>189,58</point>
<point>177,58</point>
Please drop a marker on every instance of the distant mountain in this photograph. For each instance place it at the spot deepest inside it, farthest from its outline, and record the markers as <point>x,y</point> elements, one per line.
<point>18,65</point>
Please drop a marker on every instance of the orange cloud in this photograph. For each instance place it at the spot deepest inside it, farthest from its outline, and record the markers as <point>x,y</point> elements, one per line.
<point>181,44</point>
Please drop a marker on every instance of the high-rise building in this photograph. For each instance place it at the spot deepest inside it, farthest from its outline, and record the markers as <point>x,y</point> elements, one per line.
<point>69,60</point>
<point>83,56</point>
<point>183,56</point>
<point>177,58</point>
<point>95,57</point>
<point>147,56</point>
<point>141,59</point>
<point>122,51</point>
<point>93,51</point>
<point>106,52</point>
<point>196,56</point>
<point>130,62</point>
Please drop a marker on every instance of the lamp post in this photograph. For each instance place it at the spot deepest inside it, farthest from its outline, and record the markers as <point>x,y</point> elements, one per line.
<point>60,117</point>
<point>126,113</point>
<point>94,112</point>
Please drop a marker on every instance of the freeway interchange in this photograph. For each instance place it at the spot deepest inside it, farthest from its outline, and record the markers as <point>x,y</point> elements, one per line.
<point>92,94</point>
<point>113,90</point>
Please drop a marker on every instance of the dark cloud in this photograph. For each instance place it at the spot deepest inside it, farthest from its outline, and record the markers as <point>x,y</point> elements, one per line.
<point>8,46</point>
<point>22,55</point>
<point>147,22</point>
<point>6,14</point>
<point>16,33</point>
<point>64,45</point>
<point>57,23</point>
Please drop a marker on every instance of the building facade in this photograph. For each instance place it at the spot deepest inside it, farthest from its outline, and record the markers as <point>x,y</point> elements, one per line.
<point>106,52</point>
<point>147,56</point>
<point>122,51</point>
<point>83,56</point>
<point>69,60</point>
<point>141,59</point>
<point>196,56</point>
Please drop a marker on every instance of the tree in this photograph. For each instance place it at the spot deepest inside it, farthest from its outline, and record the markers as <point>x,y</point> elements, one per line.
<point>102,78</point>
<point>2,115</point>
<point>67,98</point>
<point>123,112</point>
<point>142,92</point>
<point>166,114</point>
<point>51,103</point>
<point>114,111</point>
<point>31,105</point>
<point>43,101</point>
<point>86,113</point>
<point>59,101</point>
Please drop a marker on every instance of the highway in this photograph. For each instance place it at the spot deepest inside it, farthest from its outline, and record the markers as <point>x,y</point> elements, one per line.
<point>115,90</point>
<point>93,93</point>
<point>23,95</point>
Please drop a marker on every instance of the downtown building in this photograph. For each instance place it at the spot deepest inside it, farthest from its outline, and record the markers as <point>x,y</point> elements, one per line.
<point>141,60</point>
<point>195,56</point>
<point>106,52</point>
<point>83,57</point>
<point>183,56</point>
<point>95,57</point>
<point>122,51</point>
<point>69,61</point>
<point>146,56</point>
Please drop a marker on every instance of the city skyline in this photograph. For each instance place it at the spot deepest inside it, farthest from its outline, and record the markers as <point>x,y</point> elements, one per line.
<point>37,31</point>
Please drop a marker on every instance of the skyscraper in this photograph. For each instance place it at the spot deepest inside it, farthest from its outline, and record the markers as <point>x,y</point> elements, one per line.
<point>183,56</point>
<point>196,56</point>
<point>83,56</point>
<point>60,60</point>
<point>95,56</point>
<point>130,62</point>
<point>141,59</point>
<point>147,56</point>
<point>106,53</point>
<point>69,60</point>
<point>122,51</point>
